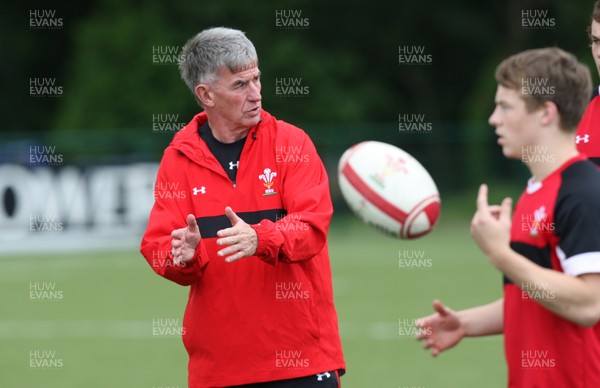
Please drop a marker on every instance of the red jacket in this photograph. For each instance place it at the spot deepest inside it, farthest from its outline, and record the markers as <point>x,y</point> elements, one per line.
<point>588,132</point>
<point>261,318</point>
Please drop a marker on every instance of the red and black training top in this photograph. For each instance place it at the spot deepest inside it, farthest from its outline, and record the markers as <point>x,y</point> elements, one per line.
<point>556,224</point>
<point>587,138</point>
<point>269,316</point>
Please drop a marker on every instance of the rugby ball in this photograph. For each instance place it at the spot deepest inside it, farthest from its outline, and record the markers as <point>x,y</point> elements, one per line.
<point>389,189</point>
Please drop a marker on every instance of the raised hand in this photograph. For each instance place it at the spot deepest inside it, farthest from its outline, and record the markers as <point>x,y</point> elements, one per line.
<point>185,241</point>
<point>490,226</point>
<point>240,238</point>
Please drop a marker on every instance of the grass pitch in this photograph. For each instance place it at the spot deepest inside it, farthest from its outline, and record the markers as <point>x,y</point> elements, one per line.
<point>97,325</point>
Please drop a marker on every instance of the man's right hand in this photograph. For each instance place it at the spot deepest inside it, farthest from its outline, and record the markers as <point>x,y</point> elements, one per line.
<point>440,331</point>
<point>185,241</point>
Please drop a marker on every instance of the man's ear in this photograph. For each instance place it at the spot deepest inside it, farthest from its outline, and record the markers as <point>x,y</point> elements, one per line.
<point>204,95</point>
<point>549,112</point>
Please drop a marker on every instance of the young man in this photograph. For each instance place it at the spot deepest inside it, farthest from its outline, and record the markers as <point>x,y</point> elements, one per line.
<point>241,215</point>
<point>549,253</point>
<point>588,132</point>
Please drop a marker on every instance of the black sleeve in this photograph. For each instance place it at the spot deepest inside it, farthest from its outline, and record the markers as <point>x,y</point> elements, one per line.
<point>577,217</point>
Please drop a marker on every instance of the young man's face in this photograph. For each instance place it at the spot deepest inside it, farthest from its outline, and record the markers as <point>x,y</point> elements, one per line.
<point>595,43</point>
<point>516,128</point>
<point>236,97</point>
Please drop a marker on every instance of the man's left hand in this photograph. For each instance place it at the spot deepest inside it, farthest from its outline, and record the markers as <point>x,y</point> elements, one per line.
<point>490,226</point>
<point>240,238</point>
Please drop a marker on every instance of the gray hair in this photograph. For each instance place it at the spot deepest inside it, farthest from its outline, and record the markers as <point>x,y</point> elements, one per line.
<point>206,53</point>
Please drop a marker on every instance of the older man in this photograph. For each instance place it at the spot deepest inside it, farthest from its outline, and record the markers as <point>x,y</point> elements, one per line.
<point>243,218</point>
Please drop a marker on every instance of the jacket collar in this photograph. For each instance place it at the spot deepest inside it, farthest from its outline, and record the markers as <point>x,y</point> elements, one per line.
<point>188,141</point>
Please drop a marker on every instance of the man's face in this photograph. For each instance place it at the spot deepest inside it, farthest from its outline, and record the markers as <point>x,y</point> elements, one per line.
<point>595,43</point>
<point>516,128</point>
<point>236,98</point>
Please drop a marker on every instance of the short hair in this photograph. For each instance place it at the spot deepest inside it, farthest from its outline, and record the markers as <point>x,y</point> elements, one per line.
<point>207,52</point>
<point>595,17</point>
<point>595,14</point>
<point>565,81</point>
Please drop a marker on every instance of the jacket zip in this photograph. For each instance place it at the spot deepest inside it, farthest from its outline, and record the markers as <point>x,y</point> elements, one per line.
<point>252,134</point>
<point>220,171</point>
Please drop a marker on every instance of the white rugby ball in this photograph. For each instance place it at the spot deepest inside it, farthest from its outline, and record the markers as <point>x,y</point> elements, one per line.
<point>389,189</point>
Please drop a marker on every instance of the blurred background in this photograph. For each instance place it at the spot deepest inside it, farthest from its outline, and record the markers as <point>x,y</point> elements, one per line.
<point>92,96</point>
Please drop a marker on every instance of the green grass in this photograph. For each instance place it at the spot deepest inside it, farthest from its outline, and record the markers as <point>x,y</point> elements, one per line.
<point>102,327</point>
<point>373,292</point>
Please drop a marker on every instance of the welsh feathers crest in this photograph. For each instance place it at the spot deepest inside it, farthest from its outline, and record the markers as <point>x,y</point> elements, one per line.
<point>267,177</point>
